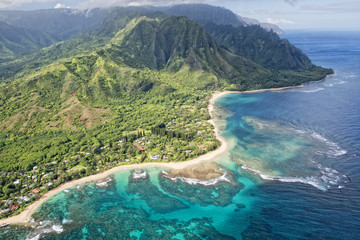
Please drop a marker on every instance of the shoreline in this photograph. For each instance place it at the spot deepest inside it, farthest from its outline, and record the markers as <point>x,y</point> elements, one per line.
<point>24,216</point>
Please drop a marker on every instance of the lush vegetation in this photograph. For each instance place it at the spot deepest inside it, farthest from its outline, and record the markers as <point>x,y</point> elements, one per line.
<point>133,90</point>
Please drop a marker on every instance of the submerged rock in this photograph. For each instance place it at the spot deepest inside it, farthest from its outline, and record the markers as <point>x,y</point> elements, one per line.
<point>205,184</point>
<point>140,184</point>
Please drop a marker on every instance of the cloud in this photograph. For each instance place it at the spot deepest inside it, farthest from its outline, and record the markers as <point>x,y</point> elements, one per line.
<point>262,12</point>
<point>109,3</point>
<point>60,5</point>
<point>279,20</point>
<point>17,3</point>
<point>344,7</point>
<point>291,2</point>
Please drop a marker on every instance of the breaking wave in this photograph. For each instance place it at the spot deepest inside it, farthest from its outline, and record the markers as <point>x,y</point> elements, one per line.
<point>104,183</point>
<point>139,174</point>
<point>329,178</point>
<point>194,181</point>
<point>334,149</point>
<point>44,227</point>
<point>312,90</point>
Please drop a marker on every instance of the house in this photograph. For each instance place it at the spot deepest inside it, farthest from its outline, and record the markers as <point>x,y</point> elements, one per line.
<point>202,147</point>
<point>155,157</point>
<point>35,190</point>
<point>35,168</point>
<point>8,203</point>
<point>4,211</point>
<point>49,184</point>
<point>25,198</point>
<point>32,195</point>
<point>139,147</point>
<point>188,151</point>
<point>17,182</point>
<point>14,207</point>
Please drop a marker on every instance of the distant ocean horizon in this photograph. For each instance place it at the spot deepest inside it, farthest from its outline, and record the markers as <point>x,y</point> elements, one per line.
<point>292,172</point>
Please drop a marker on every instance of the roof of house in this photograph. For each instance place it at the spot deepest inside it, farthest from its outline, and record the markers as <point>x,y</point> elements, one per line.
<point>35,190</point>
<point>14,207</point>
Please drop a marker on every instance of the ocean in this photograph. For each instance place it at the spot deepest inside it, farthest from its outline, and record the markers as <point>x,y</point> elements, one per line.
<point>292,171</point>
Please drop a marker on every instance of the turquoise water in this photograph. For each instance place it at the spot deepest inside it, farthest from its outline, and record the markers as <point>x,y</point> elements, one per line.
<point>293,170</point>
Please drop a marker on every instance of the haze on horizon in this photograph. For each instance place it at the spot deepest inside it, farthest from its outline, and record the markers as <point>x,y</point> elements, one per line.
<point>287,14</point>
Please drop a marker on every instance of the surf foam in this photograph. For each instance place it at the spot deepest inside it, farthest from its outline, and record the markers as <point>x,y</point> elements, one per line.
<point>324,182</point>
<point>139,174</point>
<point>194,181</point>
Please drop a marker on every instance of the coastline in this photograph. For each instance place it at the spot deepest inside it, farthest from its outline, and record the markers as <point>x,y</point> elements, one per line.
<point>24,216</point>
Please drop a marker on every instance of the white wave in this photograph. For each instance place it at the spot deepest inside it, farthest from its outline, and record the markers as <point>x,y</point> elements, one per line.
<point>194,181</point>
<point>139,174</point>
<point>44,227</point>
<point>312,90</point>
<point>323,183</point>
<point>37,237</point>
<point>66,221</point>
<point>58,228</point>
<point>103,183</point>
<point>334,149</point>
<point>341,82</point>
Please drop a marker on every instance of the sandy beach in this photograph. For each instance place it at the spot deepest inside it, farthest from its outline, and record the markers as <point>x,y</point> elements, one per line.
<point>24,216</point>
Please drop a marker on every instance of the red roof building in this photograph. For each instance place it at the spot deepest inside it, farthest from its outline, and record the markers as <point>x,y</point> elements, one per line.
<point>139,147</point>
<point>14,207</point>
<point>202,146</point>
<point>35,190</point>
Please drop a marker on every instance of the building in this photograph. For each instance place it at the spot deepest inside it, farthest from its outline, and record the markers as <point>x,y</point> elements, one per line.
<point>36,190</point>
<point>14,207</point>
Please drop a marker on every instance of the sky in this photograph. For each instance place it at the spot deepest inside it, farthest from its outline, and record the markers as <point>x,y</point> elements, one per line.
<point>287,14</point>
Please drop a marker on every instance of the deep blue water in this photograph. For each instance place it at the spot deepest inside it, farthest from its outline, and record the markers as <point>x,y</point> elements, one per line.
<point>294,170</point>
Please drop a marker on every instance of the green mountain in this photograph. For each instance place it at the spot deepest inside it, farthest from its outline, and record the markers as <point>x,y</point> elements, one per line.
<point>176,42</point>
<point>265,48</point>
<point>15,41</point>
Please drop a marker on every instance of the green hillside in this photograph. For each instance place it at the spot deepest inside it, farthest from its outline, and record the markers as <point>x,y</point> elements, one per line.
<point>15,41</point>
